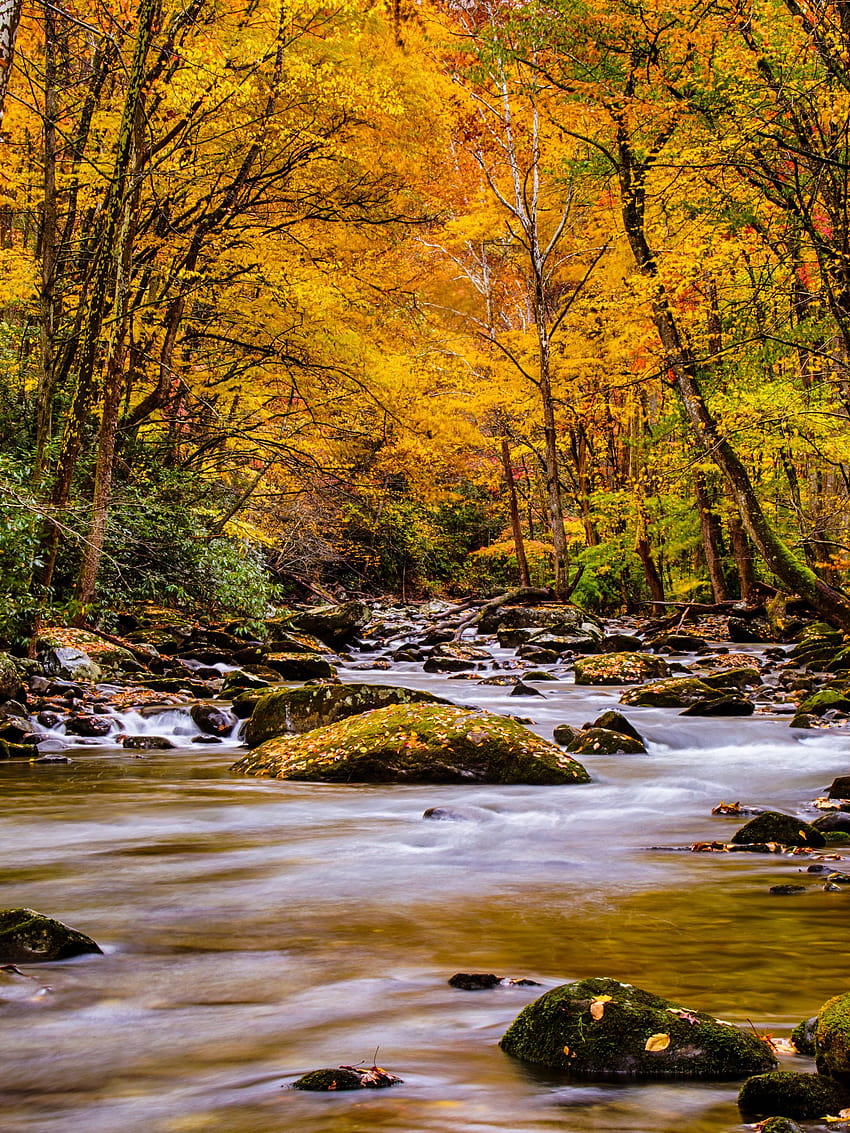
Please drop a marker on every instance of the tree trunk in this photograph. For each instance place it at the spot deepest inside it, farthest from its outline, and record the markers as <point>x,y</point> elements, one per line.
<point>711,544</point>
<point>743,555</point>
<point>684,369</point>
<point>516,526</point>
<point>10,15</point>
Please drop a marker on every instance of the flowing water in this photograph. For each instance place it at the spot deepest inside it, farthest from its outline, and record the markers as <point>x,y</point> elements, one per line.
<point>254,930</point>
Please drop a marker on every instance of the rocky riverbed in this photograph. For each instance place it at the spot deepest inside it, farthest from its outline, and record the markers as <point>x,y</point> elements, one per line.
<point>255,929</point>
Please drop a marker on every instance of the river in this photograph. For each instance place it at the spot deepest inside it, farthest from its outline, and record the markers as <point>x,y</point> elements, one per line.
<point>255,930</point>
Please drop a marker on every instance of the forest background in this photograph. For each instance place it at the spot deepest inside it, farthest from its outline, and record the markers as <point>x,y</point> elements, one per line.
<point>423,298</point>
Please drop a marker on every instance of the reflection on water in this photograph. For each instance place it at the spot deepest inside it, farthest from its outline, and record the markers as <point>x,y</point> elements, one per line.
<point>255,930</point>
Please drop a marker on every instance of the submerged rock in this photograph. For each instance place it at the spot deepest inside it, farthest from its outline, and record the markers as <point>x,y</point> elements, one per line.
<point>619,668</point>
<point>416,743</point>
<point>286,710</point>
<point>28,937</point>
<point>723,706</point>
<point>602,1028</point>
<point>346,1078</point>
<point>782,1093</point>
<point>775,827</point>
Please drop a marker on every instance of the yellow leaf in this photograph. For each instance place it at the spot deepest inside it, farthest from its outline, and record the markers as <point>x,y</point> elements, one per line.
<point>657,1042</point>
<point>597,1007</point>
<point>566,1050</point>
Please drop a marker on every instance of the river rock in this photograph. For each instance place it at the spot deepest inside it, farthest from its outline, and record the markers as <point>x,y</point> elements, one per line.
<point>677,692</point>
<point>211,720</point>
<point>604,741</point>
<point>729,680</point>
<point>89,725</point>
<point>10,678</point>
<point>749,630</point>
<point>602,1028</point>
<point>783,1093</point>
<point>77,655</point>
<point>454,657</point>
<point>416,743</point>
<point>537,655</point>
<point>287,710</point>
<point>282,638</point>
<point>619,668</point>
<point>346,1078</point>
<point>832,1039</point>
<point>299,666</point>
<point>564,617</point>
<point>803,1035</point>
<point>835,821</point>
<point>332,624</point>
<point>147,743</point>
<point>616,722</point>
<point>565,734</point>
<point>621,643</point>
<point>775,827</point>
<point>827,700</point>
<point>840,787</point>
<point>28,937</point>
<point>722,706</point>
<point>779,1125</point>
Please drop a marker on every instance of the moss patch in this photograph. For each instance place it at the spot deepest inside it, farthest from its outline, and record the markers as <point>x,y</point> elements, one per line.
<point>832,1038</point>
<point>678,692</point>
<point>28,937</point>
<point>602,1028</point>
<point>619,668</point>
<point>416,743</point>
<point>775,827</point>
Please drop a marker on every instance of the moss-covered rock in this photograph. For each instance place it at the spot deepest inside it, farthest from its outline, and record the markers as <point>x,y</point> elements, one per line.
<point>602,1028</point>
<point>824,701</point>
<point>617,722</point>
<point>743,676</point>
<point>333,624</point>
<point>565,734</point>
<point>604,741</point>
<point>454,657</point>
<point>780,1125</point>
<point>775,827</point>
<point>803,1035</point>
<point>299,666</point>
<point>28,937</point>
<point>782,1093</point>
<point>77,655</point>
<point>287,710</point>
<point>10,678</point>
<point>416,743</point>
<point>619,668</point>
<point>722,706</point>
<point>678,692</point>
<point>832,1038</point>
<point>283,639</point>
<point>346,1078</point>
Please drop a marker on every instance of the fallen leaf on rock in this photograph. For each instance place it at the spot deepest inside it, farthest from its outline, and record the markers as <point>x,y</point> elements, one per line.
<point>687,1016</point>
<point>709,848</point>
<point>726,808</point>
<point>784,1046</point>
<point>657,1042</point>
<point>597,1007</point>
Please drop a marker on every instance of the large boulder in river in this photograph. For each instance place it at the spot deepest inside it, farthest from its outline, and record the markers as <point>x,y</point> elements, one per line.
<point>601,1028</point>
<point>454,657</point>
<point>677,692</point>
<point>10,678</point>
<point>287,710</point>
<point>28,937</point>
<point>416,743</point>
<point>332,624</point>
<point>832,1038</point>
<point>619,669</point>
<point>77,655</point>
<point>556,626</point>
<point>771,826</point>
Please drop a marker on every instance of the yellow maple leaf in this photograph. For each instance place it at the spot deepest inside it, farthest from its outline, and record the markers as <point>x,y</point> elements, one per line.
<point>657,1042</point>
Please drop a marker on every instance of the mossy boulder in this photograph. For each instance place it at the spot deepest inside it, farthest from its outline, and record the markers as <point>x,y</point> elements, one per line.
<point>563,617</point>
<point>604,741</point>
<point>722,706</point>
<point>803,1035</point>
<point>677,692</point>
<point>771,826</point>
<point>602,1028</point>
<point>454,657</point>
<point>299,666</point>
<point>287,710</point>
<point>744,676</point>
<point>824,701</point>
<point>28,937</point>
<point>416,743</point>
<point>832,1038</point>
<point>346,1078</point>
<point>565,734</point>
<point>333,624</point>
<point>10,678</point>
<point>619,668</point>
<point>780,1125</point>
<point>283,639</point>
<point>77,655</point>
<point>783,1093</point>
<point>617,722</point>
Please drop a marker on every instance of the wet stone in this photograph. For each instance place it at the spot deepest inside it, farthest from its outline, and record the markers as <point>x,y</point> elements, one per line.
<point>474,981</point>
